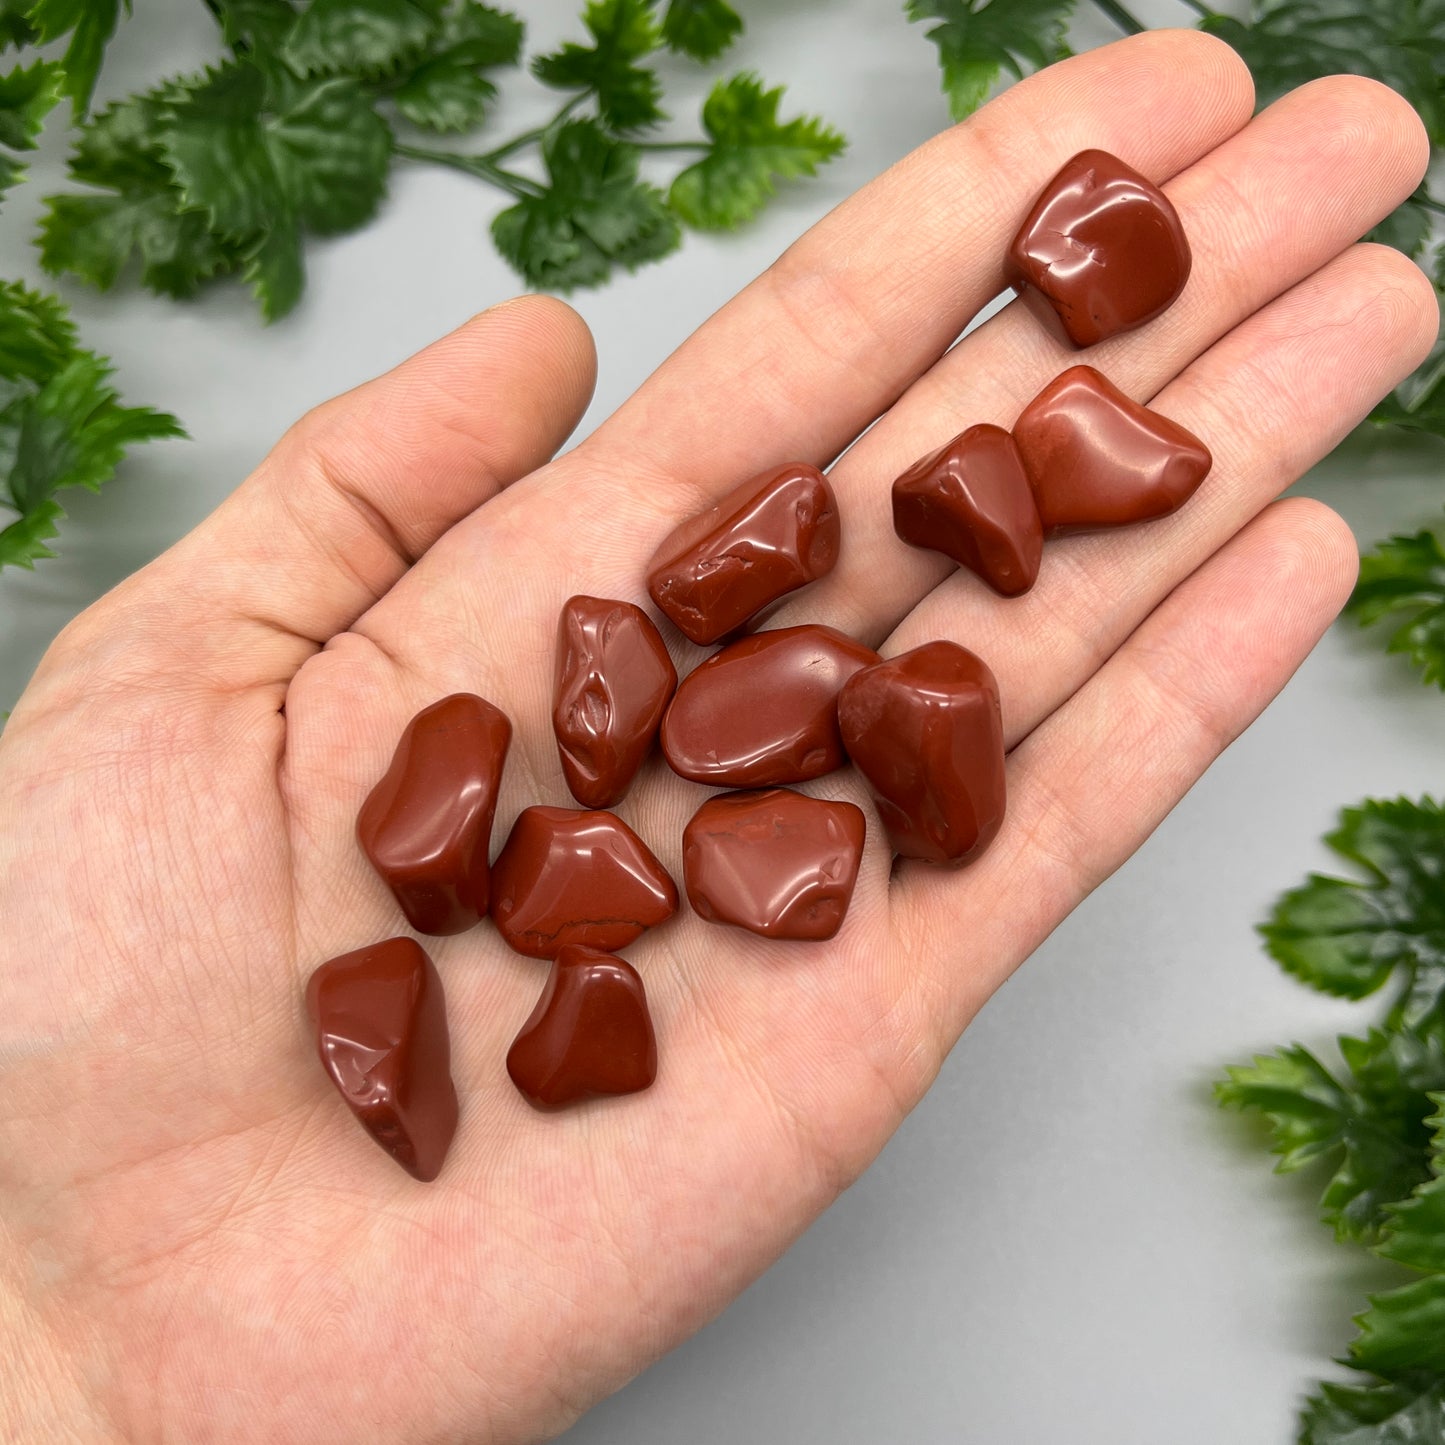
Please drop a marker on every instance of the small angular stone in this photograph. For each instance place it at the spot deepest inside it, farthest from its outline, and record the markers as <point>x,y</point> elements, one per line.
<point>1096,458</point>
<point>775,533</point>
<point>926,731</point>
<point>380,1021</point>
<point>612,681</point>
<point>971,501</point>
<point>590,1032</point>
<point>764,709</point>
<point>427,825</point>
<point>776,863</point>
<point>576,877</point>
<point>1103,247</point>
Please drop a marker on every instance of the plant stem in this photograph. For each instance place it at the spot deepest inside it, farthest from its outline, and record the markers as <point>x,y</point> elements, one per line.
<point>528,136</point>
<point>1424,198</point>
<point>670,145</point>
<point>480,166</point>
<point>1199,8</point>
<point>1120,16</point>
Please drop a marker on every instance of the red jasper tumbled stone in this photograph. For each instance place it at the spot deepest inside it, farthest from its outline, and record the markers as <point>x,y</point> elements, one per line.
<point>1103,246</point>
<point>971,501</point>
<point>764,709</point>
<point>926,731</point>
<point>1096,458</point>
<point>590,1032</point>
<point>380,1022</point>
<point>427,825</point>
<point>612,681</point>
<point>776,532</point>
<point>776,863</point>
<point>576,877</point>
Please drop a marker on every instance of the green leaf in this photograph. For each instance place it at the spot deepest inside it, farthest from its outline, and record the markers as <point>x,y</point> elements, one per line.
<point>261,23</point>
<point>623,31</point>
<point>1404,577</point>
<point>595,213</point>
<point>15,26</point>
<point>27,96</point>
<point>1347,938</point>
<point>1377,1414</point>
<point>1403,1331</point>
<point>276,271</point>
<point>977,39</point>
<point>750,149</point>
<point>61,423</point>
<point>1416,1235</point>
<point>358,37</point>
<point>1373,1132</point>
<point>140,213</point>
<point>254,152</point>
<point>447,91</point>
<point>37,336</point>
<point>89,24</point>
<point>1289,42</point>
<point>702,29</point>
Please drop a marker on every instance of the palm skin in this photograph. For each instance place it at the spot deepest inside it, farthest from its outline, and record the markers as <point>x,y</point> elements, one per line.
<point>196,1242</point>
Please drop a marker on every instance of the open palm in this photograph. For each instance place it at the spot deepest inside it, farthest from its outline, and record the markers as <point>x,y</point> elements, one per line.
<point>196,1243</point>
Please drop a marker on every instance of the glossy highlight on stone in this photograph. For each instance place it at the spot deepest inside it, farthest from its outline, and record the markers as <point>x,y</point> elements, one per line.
<point>427,825</point>
<point>576,877</point>
<point>590,1032</point>
<point>1103,246</point>
<point>926,731</point>
<point>1096,458</point>
<point>776,863</point>
<point>776,532</point>
<point>380,1021</point>
<point>971,501</point>
<point>612,681</point>
<point>764,709</point>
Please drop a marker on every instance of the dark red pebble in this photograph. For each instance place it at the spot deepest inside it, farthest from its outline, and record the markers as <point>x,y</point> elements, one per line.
<point>427,825</point>
<point>576,877</point>
<point>380,1021</point>
<point>590,1032</point>
<point>926,731</point>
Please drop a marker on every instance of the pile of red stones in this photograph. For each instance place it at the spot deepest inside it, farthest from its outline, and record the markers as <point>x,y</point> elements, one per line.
<point>1105,250</point>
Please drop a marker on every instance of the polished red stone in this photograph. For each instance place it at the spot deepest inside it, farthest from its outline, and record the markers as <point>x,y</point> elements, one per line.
<point>775,533</point>
<point>576,877</point>
<point>971,501</point>
<point>1096,458</point>
<point>764,709</point>
<point>1103,247</point>
<point>612,681</point>
<point>776,863</point>
<point>925,730</point>
<point>427,825</point>
<point>590,1032</point>
<point>380,1021</point>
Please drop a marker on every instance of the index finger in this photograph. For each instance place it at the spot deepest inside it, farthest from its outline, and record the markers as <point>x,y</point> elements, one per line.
<point>808,355</point>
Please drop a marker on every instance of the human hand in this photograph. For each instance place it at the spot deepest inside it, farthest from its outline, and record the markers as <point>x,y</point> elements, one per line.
<point>196,1243</point>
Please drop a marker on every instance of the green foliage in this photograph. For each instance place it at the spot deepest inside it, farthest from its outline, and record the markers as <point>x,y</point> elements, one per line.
<point>1377,1414</point>
<point>88,25</point>
<point>1348,938</point>
<point>295,132</point>
<point>1404,578</point>
<point>1372,1132</point>
<point>594,214</point>
<point>702,29</point>
<point>27,95</point>
<point>61,422</point>
<point>628,94</point>
<point>978,39</point>
<point>750,148</point>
